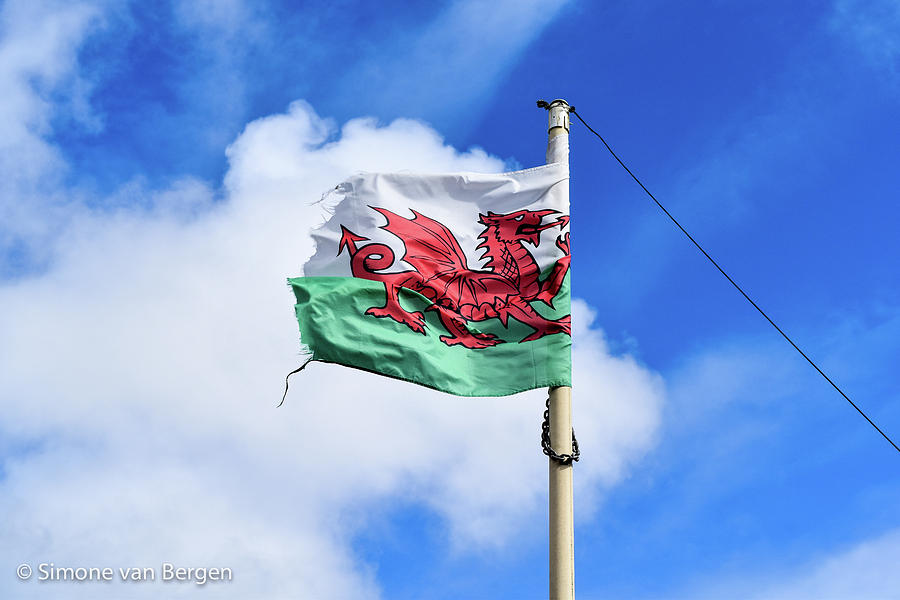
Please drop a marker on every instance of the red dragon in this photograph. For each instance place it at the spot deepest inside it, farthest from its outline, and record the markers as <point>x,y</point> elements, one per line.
<point>505,288</point>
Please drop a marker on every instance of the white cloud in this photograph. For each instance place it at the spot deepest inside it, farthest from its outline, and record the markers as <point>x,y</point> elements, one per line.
<point>219,16</point>
<point>617,405</point>
<point>39,79</point>
<point>863,571</point>
<point>874,29</point>
<point>867,571</point>
<point>456,59</point>
<point>140,375</point>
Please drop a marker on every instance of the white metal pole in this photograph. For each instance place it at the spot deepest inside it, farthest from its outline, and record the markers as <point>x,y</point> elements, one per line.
<point>562,529</point>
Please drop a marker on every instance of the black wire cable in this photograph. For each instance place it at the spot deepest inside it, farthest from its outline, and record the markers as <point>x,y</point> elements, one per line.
<point>737,287</point>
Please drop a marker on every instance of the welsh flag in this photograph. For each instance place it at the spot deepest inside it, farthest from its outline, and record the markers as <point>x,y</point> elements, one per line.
<point>458,282</point>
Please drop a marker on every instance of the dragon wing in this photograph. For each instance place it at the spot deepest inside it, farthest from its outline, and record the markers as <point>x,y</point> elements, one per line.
<point>432,250</point>
<point>430,247</point>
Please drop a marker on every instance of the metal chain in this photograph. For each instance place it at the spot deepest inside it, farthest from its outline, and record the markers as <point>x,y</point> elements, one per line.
<point>565,459</point>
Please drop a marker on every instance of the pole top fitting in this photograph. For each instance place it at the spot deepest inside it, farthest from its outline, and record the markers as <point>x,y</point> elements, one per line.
<point>559,113</point>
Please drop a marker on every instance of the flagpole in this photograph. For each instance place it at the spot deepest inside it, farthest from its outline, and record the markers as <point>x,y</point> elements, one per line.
<point>562,529</point>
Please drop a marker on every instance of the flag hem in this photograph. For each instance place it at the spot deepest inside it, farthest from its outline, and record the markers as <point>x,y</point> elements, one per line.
<point>437,389</point>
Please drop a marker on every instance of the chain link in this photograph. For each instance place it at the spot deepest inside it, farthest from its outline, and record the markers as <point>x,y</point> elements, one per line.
<point>565,459</point>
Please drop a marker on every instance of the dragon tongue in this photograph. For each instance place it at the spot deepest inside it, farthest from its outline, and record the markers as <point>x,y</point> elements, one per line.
<point>539,228</point>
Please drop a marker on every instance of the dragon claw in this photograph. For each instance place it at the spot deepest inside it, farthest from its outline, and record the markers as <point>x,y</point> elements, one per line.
<point>476,340</point>
<point>546,298</point>
<point>562,242</point>
<point>563,325</point>
<point>413,320</point>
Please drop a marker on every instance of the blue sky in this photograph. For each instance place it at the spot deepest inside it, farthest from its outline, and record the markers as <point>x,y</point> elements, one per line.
<point>157,163</point>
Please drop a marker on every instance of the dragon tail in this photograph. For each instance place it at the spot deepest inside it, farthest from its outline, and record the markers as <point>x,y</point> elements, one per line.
<point>349,241</point>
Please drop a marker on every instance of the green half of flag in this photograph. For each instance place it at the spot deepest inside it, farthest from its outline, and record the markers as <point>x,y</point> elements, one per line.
<point>335,328</point>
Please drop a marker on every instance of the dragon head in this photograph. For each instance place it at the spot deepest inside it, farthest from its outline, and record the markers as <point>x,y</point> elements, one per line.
<point>522,225</point>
